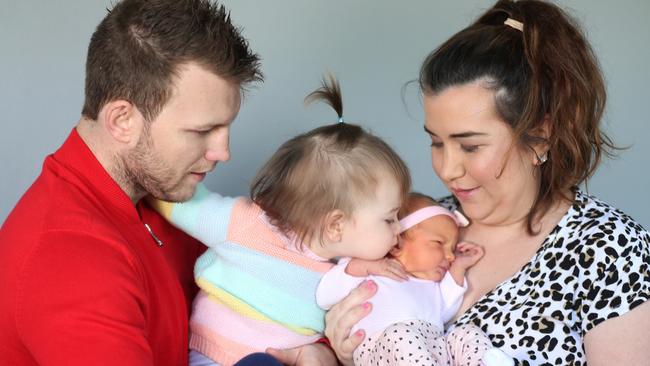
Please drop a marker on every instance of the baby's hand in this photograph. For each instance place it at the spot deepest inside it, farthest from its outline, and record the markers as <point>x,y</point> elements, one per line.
<point>387,267</point>
<point>467,254</point>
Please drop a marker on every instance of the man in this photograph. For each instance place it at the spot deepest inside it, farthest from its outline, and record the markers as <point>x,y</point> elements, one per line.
<point>89,275</point>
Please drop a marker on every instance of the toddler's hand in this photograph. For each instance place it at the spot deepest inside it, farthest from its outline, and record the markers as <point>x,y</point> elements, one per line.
<point>387,267</point>
<point>467,254</point>
<point>162,207</point>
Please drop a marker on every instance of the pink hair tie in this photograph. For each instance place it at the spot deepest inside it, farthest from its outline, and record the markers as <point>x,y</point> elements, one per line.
<point>428,212</point>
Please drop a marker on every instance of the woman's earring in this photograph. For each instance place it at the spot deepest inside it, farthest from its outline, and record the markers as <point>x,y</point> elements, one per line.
<point>542,159</point>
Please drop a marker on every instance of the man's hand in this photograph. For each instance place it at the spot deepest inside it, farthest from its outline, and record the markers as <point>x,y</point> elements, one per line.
<point>315,354</point>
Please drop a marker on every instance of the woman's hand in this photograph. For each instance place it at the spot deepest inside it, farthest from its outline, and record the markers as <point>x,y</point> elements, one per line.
<point>340,319</point>
<point>316,354</point>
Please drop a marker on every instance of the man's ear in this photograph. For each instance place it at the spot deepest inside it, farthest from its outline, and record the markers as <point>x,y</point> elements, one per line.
<point>123,121</point>
<point>334,223</point>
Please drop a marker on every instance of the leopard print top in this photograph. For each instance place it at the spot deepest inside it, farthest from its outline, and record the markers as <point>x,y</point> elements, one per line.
<point>593,266</point>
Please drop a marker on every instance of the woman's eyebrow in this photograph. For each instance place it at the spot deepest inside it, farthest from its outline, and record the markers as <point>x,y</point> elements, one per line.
<point>466,134</point>
<point>459,135</point>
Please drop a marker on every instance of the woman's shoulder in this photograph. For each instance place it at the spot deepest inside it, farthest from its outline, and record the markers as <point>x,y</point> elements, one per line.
<point>592,216</point>
<point>606,252</point>
<point>600,235</point>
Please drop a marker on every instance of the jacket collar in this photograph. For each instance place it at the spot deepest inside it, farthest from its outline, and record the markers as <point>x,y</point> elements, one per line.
<point>77,159</point>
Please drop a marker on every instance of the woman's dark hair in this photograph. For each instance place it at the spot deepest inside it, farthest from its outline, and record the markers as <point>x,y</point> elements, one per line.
<point>545,73</point>
<point>336,166</point>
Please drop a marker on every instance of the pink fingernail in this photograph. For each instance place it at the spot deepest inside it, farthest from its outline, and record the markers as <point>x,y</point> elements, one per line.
<point>370,285</point>
<point>366,305</point>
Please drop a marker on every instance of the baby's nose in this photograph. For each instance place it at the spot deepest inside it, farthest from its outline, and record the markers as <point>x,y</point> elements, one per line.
<point>450,257</point>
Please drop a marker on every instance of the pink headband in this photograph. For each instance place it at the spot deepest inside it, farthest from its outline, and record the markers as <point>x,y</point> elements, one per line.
<point>428,212</point>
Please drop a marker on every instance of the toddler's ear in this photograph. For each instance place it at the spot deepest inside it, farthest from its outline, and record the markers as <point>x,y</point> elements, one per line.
<point>334,223</point>
<point>397,249</point>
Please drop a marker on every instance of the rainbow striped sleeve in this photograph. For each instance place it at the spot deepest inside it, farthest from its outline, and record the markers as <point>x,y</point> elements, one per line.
<point>206,216</point>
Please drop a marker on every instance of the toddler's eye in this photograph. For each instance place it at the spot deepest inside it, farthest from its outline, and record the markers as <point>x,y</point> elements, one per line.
<point>390,221</point>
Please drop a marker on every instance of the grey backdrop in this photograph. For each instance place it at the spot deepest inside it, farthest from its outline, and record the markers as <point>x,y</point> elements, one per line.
<point>374,47</point>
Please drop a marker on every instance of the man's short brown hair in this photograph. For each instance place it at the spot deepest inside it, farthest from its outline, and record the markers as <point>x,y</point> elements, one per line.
<point>135,52</point>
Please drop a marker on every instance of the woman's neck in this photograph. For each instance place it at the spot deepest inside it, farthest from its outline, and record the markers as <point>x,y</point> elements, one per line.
<point>513,230</point>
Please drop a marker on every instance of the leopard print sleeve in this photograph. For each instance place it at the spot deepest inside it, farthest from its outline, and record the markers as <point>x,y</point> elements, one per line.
<point>614,261</point>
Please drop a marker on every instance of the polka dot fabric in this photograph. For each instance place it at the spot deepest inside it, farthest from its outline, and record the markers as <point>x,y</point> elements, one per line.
<point>421,343</point>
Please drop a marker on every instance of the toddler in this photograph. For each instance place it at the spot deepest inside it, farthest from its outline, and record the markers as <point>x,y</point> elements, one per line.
<point>406,324</point>
<point>333,191</point>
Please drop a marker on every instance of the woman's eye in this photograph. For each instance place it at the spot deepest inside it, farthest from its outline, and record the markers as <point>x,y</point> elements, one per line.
<point>436,144</point>
<point>469,148</point>
<point>390,221</point>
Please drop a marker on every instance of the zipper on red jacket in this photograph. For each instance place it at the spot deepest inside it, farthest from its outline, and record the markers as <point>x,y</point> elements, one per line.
<point>155,238</point>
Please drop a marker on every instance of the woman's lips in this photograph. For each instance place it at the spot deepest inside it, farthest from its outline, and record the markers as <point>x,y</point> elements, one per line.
<point>463,194</point>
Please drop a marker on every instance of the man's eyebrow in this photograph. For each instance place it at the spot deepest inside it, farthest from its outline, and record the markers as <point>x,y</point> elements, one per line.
<point>459,135</point>
<point>212,124</point>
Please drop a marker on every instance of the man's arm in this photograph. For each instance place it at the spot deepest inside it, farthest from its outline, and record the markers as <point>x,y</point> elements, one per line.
<point>81,301</point>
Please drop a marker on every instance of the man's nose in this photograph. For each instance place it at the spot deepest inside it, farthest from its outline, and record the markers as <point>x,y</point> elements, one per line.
<point>218,148</point>
<point>217,154</point>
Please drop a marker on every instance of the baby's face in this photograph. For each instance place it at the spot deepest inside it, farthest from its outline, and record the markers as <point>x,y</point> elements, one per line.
<point>427,250</point>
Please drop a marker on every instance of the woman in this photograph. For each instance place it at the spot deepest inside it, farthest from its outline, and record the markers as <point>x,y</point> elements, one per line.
<point>513,105</point>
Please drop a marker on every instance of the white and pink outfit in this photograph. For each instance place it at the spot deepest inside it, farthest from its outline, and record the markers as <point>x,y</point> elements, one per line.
<point>406,324</point>
<point>411,312</point>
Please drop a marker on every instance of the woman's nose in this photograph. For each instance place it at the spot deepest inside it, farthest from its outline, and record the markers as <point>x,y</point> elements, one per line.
<point>451,165</point>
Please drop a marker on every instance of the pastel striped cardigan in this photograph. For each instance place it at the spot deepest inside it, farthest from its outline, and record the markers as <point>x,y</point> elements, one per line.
<point>255,293</point>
